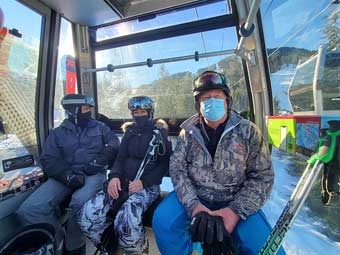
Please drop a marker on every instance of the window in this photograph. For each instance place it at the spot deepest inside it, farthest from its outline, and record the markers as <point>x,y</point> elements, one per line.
<point>19,58</point>
<point>293,40</point>
<point>329,81</point>
<point>303,42</point>
<point>169,84</point>
<point>301,89</point>
<point>163,20</point>
<point>66,78</point>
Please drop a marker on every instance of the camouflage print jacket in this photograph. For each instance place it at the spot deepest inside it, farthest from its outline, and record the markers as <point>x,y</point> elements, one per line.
<point>240,175</point>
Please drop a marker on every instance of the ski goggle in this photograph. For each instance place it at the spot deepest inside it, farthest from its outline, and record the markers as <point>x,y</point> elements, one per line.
<point>210,80</point>
<point>142,102</point>
<point>87,100</point>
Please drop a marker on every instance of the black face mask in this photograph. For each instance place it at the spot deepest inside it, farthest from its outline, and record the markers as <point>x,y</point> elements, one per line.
<point>141,121</point>
<point>83,118</point>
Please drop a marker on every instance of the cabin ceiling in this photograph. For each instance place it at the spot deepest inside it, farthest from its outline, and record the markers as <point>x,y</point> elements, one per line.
<point>130,8</point>
<point>84,12</point>
<point>97,12</point>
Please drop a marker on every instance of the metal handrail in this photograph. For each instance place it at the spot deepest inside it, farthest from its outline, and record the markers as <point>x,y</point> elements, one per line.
<point>248,26</point>
<point>149,62</point>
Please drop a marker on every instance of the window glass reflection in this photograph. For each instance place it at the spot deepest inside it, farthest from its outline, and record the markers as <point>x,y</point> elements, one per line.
<point>303,47</point>
<point>19,61</point>
<point>170,84</point>
<point>66,78</point>
<point>163,20</point>
<point>301,88</point>
<point>292,41</point>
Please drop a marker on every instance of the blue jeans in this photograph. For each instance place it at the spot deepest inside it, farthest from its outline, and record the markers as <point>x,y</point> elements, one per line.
<point>171,227</point>
<point>43,204</point>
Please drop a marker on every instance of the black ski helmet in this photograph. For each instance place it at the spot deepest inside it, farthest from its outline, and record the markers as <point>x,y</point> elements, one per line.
<point>209,80</point>
<point>73,102</point>
<point>143,103</point>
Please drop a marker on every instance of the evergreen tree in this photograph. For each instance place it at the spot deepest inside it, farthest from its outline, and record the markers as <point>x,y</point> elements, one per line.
<point>332,32</point>
<point>276,105</point>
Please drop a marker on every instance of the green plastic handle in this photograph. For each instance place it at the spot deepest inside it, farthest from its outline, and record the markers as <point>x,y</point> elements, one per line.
<point>325,154</point>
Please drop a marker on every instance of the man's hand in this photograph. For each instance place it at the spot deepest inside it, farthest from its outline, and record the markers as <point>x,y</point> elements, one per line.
<point>135,186</point>
<point>114,187</point>
<point>200,208</point>
<point>230,219</point>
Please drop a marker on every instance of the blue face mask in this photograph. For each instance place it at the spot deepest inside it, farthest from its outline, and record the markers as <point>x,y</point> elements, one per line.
<point>213,109</point>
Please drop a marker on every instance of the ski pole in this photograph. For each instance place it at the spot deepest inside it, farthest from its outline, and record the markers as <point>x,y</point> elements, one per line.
<point>150,153</point>
<point>323,156</point>
<point>109,231</point>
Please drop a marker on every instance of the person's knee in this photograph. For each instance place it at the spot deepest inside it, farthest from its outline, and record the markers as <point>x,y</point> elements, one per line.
<point>76,204</point>
<point>169,213</point>
<point>79,199</point>
<point>24,211</point>
<point>33,213</point>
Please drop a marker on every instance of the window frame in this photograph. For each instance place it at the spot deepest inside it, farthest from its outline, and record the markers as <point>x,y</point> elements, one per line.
<point>223,21</point>
<point>42,103</point>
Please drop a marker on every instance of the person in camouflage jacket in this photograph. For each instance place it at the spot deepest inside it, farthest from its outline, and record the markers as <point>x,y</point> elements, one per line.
<point>240,175</point>
<point>221,165</point>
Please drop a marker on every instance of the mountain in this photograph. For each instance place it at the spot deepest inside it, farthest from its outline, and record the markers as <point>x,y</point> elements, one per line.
<point>285,56</point>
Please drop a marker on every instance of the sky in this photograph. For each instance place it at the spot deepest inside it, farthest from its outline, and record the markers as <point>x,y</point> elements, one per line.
<point>295,23</point>
<point>18,16</point>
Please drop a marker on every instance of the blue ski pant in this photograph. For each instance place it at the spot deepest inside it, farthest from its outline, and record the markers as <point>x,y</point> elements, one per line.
<point>171,227</point>
<point>43,206</point>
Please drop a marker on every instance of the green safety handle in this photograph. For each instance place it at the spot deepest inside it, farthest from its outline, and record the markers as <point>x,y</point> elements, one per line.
<point>325,154</point>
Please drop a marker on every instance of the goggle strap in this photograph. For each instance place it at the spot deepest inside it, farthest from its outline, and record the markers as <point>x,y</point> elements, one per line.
<point>76,102</point>
<point>73,101</point>
<point>211,78</point>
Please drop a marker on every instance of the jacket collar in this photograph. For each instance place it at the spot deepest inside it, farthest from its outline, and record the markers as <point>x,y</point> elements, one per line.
<point>189,125</point>
<point>233,120</point>
<point>159,123</point>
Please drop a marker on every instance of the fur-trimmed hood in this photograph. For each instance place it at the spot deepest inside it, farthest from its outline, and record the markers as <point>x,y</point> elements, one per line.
<point>159,123</point>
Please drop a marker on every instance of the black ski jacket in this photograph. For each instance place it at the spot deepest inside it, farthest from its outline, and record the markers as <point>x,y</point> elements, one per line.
<point>132,150</point>
<point>67,146</point>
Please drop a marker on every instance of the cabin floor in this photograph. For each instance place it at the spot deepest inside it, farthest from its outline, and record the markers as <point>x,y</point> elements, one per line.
<point>153,250</point>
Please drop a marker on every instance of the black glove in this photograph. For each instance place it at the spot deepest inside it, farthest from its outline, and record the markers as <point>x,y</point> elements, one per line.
<point>75,181</point>
<point>213,249</point>
<point>206,228</point>
<point>219,248</point>
<point>93,168</point>
<point>222,244</point>
<point>215,229</point>
<point>78,169</point>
